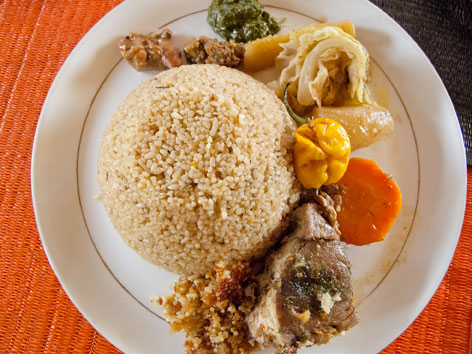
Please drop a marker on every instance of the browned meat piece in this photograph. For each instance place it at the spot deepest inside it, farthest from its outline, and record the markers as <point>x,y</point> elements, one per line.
<point>306,291</point>
<point>211,51</point>
<point>329,198</point>
<point>152,51</point>
<point>310,224</point>
<point>334,191</point>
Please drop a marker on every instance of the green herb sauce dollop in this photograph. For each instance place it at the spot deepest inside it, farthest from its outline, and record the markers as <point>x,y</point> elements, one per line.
<point>241,20</point>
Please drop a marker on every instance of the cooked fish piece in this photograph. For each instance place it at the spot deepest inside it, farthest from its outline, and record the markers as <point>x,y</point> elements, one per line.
<point>306,291</point>
<point>364,124</point>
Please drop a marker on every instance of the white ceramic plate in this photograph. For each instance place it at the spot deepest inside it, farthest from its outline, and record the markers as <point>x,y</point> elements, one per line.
<point>111,285</point>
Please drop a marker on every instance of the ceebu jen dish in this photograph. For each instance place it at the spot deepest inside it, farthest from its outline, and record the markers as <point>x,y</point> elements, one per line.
<point>246,190</point>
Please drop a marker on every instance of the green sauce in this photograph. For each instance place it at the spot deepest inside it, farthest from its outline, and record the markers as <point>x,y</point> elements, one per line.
<point>241,20</point>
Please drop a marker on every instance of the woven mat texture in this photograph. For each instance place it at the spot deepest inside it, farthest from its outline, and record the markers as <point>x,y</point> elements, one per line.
<point>36,316</point>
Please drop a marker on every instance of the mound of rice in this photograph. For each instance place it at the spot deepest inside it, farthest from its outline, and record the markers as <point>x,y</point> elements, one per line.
<point>195,166</point>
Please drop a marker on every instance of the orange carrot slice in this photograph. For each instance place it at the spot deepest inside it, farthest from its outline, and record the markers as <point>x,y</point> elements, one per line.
<point>371,202</point>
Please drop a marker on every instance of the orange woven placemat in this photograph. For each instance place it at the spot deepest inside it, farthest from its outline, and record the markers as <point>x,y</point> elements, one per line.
<point>36,315</point>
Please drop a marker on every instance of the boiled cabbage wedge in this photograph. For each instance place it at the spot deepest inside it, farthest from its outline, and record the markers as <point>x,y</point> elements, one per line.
<point>328,67</point>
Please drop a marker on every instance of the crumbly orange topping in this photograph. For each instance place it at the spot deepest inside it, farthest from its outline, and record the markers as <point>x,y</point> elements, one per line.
<point>211,310</point>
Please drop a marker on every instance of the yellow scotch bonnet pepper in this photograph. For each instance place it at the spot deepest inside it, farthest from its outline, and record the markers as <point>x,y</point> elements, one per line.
<point>321,152</point>
<point>322,149</point>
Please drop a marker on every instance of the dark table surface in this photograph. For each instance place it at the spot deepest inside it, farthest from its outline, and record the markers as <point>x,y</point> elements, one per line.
<point>443,29</point>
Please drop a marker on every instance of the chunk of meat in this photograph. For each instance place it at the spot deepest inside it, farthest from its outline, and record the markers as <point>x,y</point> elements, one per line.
<point>334,191</point>
<point>310,224</point>
<point>306,291</point>
<point>153,51</point>
<point>205,50</point>
<point>329,199</point>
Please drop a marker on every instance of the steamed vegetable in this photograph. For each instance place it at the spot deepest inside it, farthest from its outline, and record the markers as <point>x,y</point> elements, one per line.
<point>322,149</point>
<point>364,124</point>
<point>260,53</point>
<point>327,65</point>
<point>370,204</point>
<point>321,152</point>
